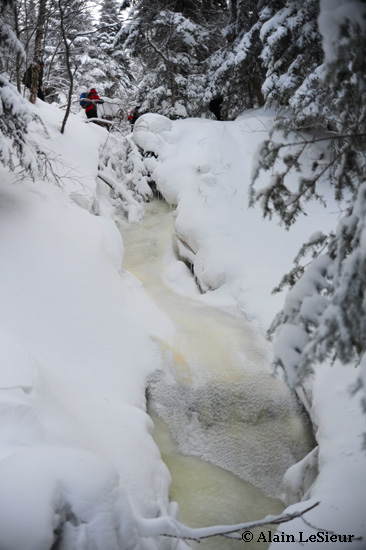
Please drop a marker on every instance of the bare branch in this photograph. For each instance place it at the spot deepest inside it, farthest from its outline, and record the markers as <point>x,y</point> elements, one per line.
<point>169,527</point>
<point>316,140</point>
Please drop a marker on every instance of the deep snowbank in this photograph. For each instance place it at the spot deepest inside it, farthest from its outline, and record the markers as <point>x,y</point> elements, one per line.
<point>204,168</point>
<point>76,343</point>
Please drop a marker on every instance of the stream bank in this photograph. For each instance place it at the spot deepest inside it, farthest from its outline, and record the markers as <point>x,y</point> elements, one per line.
<point>227,429</point>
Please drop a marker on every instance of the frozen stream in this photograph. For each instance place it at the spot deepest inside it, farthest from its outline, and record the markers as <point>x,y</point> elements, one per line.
<point>226,428</point>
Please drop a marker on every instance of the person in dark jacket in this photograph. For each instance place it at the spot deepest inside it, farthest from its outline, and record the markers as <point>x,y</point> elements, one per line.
<point>28,75</point>
<point>215,106</point>
<point>40,93</point>
<point>91,110</point>
<point>134,115</point>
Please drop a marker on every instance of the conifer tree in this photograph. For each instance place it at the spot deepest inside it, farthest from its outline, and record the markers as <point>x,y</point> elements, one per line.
<point>292,49</point>
<point>14,115</point>
<point>12,58</point>
<point>324,314</point>
<point>17,18</point>
<point>236,70</point>
<point>172,52</point>
<point>111,71</point>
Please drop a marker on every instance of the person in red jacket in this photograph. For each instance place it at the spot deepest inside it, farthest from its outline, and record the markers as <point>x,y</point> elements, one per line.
<point>134,115</point>
<point>91,110</point>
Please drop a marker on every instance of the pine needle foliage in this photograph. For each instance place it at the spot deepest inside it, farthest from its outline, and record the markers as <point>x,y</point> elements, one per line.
<point>319,141</point>
<point>172,52</point>
<point>14,115</point>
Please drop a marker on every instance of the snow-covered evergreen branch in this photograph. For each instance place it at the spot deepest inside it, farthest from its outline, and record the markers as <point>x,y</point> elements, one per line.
<point>324,313</point>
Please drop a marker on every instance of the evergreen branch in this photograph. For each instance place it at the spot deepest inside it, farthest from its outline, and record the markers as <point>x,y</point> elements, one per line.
<point>167,61</point>
<point>316,247</point>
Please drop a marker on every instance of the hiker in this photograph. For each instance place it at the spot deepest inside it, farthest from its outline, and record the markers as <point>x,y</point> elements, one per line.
<point>134,115</point>
<point>215,106</point>
<point>28,76</point>
<point>91,110</point>
<point>40,81</point>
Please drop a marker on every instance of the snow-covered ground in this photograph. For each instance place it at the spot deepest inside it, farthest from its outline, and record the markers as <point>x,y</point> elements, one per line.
<point>76,345</point>
<point>78,334</point>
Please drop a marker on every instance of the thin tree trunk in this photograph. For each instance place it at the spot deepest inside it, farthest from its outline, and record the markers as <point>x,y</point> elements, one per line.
<point>68,66</point>
<point>234,10</point>
<point>38,49</point>
<point>257,87</point>
<point>18,58</point>
<point>50,62</point>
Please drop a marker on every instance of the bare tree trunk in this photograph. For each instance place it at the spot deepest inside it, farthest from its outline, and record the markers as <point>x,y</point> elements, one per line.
<point>68,65</point>
<point>257,87</point>
<point>38,49</point>
<point>18,58</point>
<point>234,10</point>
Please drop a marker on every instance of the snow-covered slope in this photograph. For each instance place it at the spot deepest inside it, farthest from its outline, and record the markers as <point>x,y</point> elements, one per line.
<point>76,342</point>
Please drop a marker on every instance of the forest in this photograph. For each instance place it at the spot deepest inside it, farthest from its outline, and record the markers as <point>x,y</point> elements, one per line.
<point>290,79</point>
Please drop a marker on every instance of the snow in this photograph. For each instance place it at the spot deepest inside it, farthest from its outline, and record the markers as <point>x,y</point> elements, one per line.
<point>79,334</point>
<point>334,14</point>
<point>17,368</point>
<point>43,487</point>
<point>340,484</point>
<point>204,168</point>
<point>209,165</point>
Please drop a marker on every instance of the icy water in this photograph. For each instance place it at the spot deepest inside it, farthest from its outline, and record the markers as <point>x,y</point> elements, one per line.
<point>226,428</point>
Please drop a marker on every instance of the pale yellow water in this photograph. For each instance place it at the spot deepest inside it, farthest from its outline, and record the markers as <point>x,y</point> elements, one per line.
<point>227,429</point>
